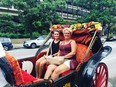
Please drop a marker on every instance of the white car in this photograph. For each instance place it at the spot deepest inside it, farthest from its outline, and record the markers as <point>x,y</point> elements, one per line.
<point>37,42</point>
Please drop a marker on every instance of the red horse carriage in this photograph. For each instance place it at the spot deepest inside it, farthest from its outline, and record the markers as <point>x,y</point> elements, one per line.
<point>90,71</point>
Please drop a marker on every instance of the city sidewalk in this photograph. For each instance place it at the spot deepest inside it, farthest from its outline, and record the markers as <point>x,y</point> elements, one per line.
<point>15,46</point>
<point>18,43</point>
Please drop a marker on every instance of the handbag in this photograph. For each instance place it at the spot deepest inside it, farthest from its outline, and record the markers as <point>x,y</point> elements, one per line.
<point>57,60</point>
<point>73,64</point>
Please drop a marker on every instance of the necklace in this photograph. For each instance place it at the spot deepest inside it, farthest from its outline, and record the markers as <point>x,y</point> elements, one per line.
<point>56,41</point>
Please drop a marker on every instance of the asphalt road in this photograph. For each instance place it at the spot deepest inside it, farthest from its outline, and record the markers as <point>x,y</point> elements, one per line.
<point>110,60</point>
<point>23,53</point>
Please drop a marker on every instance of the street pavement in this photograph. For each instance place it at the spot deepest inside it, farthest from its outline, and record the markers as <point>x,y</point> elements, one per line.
<point>15,46</point>
<point>110,61</point>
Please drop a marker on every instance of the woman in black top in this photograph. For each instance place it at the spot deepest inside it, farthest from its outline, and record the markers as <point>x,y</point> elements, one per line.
<point>54,47</point>
<point>52,50</point>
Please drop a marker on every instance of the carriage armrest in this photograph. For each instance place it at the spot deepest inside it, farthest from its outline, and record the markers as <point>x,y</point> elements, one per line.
<point>40,55</point>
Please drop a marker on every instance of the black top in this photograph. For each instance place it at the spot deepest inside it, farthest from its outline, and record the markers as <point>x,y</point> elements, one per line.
<point>55,47</point>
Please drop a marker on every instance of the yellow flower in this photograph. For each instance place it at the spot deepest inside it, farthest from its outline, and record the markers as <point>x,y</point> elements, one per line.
<point>89,28</point>
<point>79,24</point>
<point>98,26</point>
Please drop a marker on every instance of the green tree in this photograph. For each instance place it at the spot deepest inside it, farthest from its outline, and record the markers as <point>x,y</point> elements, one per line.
<point>7,24</point>
<point>37,16</point>
<point>103,11</point>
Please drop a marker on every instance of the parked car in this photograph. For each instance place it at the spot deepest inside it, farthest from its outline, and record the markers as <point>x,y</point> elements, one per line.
<point>36,42</point>
<point>6,43</point>
<point>111,38</point>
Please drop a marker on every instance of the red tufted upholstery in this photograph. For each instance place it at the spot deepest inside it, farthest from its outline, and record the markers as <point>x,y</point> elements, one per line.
<point>81,50</point>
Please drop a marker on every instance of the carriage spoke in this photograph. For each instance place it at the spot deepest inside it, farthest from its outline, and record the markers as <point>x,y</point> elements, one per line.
<point>101,76</point>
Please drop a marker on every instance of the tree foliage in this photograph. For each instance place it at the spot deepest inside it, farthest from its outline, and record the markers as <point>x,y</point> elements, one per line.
<point>100,10</point>
<point>103,11</point>
<point>37,16</point>
<point>6,23</point>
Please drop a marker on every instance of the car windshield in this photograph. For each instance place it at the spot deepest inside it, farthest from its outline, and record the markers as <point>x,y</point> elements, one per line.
<point>41,37</point>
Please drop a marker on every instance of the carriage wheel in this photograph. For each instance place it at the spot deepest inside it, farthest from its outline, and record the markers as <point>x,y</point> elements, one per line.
<point>100,78</point>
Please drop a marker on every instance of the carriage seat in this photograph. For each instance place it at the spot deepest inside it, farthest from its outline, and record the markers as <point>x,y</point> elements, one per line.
<point>81,50</point>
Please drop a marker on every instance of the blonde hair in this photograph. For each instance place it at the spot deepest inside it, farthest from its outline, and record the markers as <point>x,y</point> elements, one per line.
<point>67,29</point>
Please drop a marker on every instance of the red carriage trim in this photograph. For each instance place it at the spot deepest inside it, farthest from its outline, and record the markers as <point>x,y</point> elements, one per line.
<point>40,55</point>
<point>16,68</point>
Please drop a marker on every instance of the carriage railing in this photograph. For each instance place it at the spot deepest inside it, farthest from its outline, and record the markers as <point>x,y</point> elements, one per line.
<point>87,52</point>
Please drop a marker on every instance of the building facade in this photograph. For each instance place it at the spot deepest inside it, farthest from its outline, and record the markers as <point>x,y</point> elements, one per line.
<point>71,11</point>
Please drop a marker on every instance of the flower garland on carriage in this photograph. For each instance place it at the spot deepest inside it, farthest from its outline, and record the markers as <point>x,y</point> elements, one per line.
<point>80,31</point>
<point>78,26</point>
